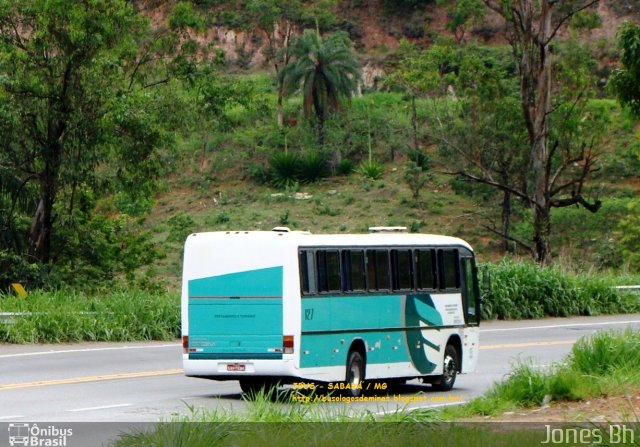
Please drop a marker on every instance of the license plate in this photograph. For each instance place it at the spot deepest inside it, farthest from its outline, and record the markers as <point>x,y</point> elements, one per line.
<point>235,367</point>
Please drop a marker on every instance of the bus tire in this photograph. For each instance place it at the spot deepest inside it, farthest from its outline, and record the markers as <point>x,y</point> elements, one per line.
<point>355,374</point>
<point>446,381</point>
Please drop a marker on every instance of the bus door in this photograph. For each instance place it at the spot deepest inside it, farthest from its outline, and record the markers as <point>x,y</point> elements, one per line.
<point>471,305</point>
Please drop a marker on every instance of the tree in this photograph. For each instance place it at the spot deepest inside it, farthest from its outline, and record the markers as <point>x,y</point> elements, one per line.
<point>417,75</point>
<point>626,83</point>
<point>626,80</point>
<point>325,71</point>
<point>278,20</point>
<point>75,104</point>
<point>461,13</point>
<point>531,28</point>
<point>482,130</point>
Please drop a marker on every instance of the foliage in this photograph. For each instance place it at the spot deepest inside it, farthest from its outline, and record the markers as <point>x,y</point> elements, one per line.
<point>284,168</point>
<point>625,81</point>
<point>183,15</point>
<point>586,20</point>
<point>325,71</point>
<point>420,158</point>
<point>628,232</point>
<point>313,166</point>
<point>416,178</point>
<point>461,14</point>
<point>99,249</point>
<point>14,268</point>
<point>287,169</point>
<point>520,290</point>
<point>180,226</point>
<point>64,316</point>
<point>371,169</point>
<point>80,121</point>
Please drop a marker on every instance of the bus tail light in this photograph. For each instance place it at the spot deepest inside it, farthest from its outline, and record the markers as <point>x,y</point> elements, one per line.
<point>287,344</point>
<point>185,344</point>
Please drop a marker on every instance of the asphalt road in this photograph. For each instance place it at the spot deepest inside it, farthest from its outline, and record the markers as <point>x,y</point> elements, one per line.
<point>138,382</point>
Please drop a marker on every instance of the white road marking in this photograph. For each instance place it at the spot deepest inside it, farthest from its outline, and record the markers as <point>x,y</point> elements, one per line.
<point>15,416</point>
<point>104,407</point>
<point>67,351</point>
<point>551,326</point>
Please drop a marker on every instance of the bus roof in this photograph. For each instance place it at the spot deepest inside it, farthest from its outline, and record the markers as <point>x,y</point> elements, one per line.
<point>305,238</point>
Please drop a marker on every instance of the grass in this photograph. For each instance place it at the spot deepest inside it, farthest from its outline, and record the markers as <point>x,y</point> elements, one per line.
<point>522,290</point>
<point>605,363</point>
<point>601,364</point>
<point>68,316</point>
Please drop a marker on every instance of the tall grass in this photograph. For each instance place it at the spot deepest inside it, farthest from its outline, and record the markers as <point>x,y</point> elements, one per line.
<point>70,316</point>
<point>521,290</point>
<point>269,421</point>
<point>605,363</point>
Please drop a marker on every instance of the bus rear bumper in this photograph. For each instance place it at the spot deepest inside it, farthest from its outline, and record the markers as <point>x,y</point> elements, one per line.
<point>230,369</point>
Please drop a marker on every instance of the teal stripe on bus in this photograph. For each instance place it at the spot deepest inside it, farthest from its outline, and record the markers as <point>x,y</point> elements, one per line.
<point>265,282</point>
<point>393,328</point>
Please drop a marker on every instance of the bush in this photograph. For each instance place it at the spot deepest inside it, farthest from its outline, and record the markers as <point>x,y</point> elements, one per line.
<point>67,316</point>
<point>603,352</point>
<point>371,169</point>
<point>180,226</point>
<point>521,290</point>
<point>420,158</point>
<point>283,169</point>
<point>313,167</point>
<point>14,268</point>
<point>345,167</point>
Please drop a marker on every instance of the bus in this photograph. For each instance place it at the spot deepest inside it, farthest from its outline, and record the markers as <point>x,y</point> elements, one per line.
<point>267,307</point>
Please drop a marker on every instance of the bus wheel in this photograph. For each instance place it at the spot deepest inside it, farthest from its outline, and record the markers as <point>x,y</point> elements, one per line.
<point>355,374</point>
<point>450,368</point>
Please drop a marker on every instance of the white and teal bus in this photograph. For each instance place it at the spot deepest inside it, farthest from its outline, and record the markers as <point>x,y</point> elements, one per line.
<point>289,306</point>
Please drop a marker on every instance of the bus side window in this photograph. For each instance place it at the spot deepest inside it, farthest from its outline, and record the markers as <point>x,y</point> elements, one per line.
<point>426,270</point>
<point>402,276</point>
<point>378,269</point>
<point>307,273</point>
<point>328,263</point>
<point>353,270</point>
<point>448,263</point>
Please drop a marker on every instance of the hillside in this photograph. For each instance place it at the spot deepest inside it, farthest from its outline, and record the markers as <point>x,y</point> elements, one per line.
<point>173,120</point>
<point>375,26</point>
<point>214,189</point>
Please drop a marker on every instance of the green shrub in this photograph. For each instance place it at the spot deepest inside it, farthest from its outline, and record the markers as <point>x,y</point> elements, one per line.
<point>345,167</point>
<point>14,268</point>
<point>284,168</point>
<point>603,352</point>
<point>520,290</point>
<point>67,316</point>
<point>312,167</point>
<point>180,226</point>
<point>371,169</point>
<point>420,158</point>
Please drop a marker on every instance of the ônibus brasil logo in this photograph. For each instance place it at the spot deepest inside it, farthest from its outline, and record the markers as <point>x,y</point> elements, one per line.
<point>32,435</point>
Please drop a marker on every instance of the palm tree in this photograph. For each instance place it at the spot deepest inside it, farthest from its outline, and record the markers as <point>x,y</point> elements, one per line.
<point>324,71</point>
